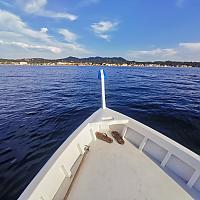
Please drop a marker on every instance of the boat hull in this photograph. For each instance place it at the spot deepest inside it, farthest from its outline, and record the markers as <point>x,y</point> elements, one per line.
<point>175,160</point>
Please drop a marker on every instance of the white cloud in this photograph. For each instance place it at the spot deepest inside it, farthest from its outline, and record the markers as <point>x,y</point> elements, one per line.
<point>52,14</point>
<point>154,52</point>
<point>13,23</point>
<point>71,38</point>
<point>44,30</point>
<point>19,40</point>
<point>37,7</point>
<point>77,48</point>
<point>32,6</point>
<point>190,46</point>
<point>30,46</point>
<point>102,28</point>
<point>68,35</point>
<point>184,51</point>
<point>105,37</point>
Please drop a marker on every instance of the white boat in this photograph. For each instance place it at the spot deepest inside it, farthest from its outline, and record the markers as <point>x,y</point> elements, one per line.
<point>148,166</point>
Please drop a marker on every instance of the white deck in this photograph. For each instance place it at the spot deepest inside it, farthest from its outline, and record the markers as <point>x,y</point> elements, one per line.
<point>113,171</point>
<point>151,166</point>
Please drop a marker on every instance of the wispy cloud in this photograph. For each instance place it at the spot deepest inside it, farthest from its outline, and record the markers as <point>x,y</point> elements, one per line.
<point>52,14</point>
<point>68,35</point>
<point>32,6</point>
<point>191,46</point>
<point>37,7</point>
<point>154,52</point>
<point>184,51</point>
<point>103,28</point>
<point>44,30</point>
<point>12,22</point>
<point>15,34</point>
<point>71,38</point>
<point>105,37</point>
<point>53,49</point>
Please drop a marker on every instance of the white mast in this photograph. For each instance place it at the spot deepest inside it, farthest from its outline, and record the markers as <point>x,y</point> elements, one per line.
<point>103,95</point>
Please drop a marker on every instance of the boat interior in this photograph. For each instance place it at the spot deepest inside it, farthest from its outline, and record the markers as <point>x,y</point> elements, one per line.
<point>148,166</point>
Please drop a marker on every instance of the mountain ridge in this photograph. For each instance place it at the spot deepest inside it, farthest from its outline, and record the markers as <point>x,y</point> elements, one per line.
<point>97,60</point>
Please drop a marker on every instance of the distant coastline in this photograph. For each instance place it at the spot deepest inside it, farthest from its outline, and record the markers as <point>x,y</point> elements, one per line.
<point>95,61</point>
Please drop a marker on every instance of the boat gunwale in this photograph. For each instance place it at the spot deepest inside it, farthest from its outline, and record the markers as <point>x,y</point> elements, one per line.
<point>52,160</point>
<point>96,119</point>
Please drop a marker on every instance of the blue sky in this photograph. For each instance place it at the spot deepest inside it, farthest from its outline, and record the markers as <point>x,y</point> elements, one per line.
<point>134,29</point>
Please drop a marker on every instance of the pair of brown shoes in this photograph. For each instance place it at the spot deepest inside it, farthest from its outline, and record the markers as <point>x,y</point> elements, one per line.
<point>117,137</point>
<point>106,138</point>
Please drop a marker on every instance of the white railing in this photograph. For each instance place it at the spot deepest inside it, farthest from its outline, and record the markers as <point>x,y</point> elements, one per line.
<point>169,154</point>
<point>49,179</point>
<point>166,152</point>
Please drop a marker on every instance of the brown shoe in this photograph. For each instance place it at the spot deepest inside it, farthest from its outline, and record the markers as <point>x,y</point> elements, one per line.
<point>117,137</point>
<point>104,137</point>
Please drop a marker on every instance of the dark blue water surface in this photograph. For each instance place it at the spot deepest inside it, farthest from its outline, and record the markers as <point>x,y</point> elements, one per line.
<point>41,106</point>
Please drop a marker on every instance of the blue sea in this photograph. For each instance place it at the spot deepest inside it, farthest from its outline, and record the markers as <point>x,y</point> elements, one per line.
<point>41,106</point>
